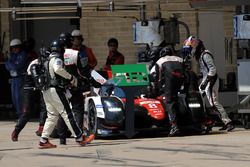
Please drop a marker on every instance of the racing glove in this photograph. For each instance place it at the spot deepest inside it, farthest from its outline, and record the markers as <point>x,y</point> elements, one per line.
<point>73,81</point>
<point>204,84</point>
<point>83,84</point>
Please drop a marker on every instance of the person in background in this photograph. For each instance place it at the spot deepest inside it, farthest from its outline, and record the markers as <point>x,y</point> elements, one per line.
<point>114,57</point>
<point>210,81</point>
<point>29,47</point>
<point>17,65</point>
<point>29,94</point>
<point>84,51</point>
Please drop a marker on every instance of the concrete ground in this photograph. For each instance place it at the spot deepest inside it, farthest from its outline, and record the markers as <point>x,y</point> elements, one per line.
<point>217,149</point>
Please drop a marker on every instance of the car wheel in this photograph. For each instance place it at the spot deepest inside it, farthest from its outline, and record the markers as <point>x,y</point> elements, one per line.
<point>92,116</point>
<point>246,122</point>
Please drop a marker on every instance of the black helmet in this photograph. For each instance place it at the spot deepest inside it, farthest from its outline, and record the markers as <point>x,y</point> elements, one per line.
<point>56,46</point>
<point>65,39</point>
<point>166,51</point>
<point>154,54</point>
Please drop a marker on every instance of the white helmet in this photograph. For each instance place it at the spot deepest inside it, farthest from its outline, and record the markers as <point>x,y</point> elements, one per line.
<point>76,33</point>
<point>15,42</point>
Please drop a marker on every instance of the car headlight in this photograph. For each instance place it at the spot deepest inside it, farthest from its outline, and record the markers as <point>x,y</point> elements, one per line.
<point>194,105</point>
<point>112,105</point>
<point>114,109</point>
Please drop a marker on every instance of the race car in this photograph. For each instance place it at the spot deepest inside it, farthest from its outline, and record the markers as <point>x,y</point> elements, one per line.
<point>105,112</point>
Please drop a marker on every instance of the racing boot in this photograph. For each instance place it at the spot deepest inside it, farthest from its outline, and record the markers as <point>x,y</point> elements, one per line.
<point>14,136</point>
<point>85,139</point>
<point>229,127</point>
<point>46,145</point>
<point>175,131</point>
<point>89,138</point>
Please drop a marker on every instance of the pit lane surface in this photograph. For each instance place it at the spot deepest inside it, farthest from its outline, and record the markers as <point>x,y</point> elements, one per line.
<point>217,149</point>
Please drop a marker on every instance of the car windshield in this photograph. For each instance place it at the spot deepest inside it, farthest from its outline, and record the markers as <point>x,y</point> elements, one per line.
<point>104,91</point>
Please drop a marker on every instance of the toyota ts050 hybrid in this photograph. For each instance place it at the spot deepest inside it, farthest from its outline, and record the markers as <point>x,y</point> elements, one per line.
<point>105,111</point>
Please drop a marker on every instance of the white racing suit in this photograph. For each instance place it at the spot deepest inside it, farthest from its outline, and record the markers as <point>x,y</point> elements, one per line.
<point>207,68</point>
<point>56,101</point>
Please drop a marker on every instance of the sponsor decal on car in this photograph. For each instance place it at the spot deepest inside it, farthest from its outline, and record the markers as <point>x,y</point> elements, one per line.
<point>150,102</point>
<point>98,106</point>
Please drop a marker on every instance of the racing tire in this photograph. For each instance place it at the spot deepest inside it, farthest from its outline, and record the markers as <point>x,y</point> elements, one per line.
<point>92,117</point>
<point>246,122</point>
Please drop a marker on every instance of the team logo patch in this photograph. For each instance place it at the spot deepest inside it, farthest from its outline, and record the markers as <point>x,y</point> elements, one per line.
<point>58,62</point>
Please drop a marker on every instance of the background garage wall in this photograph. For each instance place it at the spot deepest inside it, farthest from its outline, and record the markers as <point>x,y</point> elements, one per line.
<point>4,20</point>
<point>45,31</point>
<point>98,30</point>
<point>231,62</point>
<point>98,27</point>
